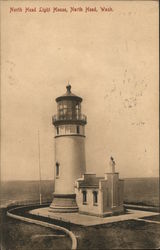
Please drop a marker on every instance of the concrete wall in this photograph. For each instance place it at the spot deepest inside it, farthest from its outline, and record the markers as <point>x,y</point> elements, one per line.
<point>88,207</point>
<point>112,179</point>
<point>70,154</point>
<point>120,192</point>
<point>110,194</point>
<point>105,196</point>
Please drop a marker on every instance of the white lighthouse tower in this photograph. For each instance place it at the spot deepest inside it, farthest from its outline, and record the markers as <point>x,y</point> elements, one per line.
<point>69,125</point>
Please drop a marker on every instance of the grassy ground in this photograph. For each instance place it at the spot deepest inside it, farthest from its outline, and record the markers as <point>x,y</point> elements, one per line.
<point>122,235</point>
<point>16,235</point>
<point>153,218</point>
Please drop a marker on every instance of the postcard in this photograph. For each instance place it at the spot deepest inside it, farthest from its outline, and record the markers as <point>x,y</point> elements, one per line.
<point>79,125</point>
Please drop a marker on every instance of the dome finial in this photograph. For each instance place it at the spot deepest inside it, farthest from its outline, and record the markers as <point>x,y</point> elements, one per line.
<point>68,87</point>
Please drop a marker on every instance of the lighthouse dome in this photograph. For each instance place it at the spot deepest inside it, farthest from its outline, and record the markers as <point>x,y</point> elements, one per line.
<point>69,95</point>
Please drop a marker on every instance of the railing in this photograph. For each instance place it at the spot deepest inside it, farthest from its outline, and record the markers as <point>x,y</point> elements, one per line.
<point>82,118</point>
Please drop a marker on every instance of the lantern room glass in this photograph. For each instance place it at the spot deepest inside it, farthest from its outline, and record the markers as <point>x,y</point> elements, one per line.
<point>69,109</point>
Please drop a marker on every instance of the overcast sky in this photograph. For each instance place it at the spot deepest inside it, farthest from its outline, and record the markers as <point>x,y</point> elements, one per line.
<point>111,61</point>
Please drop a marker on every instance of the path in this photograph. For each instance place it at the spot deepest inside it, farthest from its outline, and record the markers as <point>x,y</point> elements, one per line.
<point>11,213</point>
<point>88,220</point>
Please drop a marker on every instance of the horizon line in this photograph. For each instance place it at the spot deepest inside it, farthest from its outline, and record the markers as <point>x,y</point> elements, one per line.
<point>53,179</point>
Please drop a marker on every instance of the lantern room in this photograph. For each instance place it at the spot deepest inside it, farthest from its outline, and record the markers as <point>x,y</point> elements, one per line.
<point>69,109</point>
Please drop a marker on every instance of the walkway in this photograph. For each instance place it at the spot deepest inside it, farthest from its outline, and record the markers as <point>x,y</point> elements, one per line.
<point>150,221</point>
<point>11,213</point>
<point>87,220</point>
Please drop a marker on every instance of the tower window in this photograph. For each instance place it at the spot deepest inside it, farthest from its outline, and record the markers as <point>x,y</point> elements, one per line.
<point>95,198</point>
<point>84,197</point>
<point>57,130</point>
<point>57,169</point>
<point>78,130</point>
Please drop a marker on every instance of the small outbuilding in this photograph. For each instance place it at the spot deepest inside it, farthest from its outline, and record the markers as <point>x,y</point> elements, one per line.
<point>100,196</point>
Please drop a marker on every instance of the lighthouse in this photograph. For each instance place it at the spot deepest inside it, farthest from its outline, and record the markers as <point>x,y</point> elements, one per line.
<point>69,124</point>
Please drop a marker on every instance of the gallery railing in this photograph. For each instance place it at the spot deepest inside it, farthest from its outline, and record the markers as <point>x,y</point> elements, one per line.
<point>72,118</point>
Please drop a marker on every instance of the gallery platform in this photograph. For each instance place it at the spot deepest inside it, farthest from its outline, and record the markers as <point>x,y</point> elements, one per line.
<point>88,220</point>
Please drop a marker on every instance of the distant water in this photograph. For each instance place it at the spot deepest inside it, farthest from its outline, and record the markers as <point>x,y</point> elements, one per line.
<point>142,191</point>
<point>16,191</point>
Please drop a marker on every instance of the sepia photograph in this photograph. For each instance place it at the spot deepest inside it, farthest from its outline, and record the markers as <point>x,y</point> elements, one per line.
<point>79,125</point>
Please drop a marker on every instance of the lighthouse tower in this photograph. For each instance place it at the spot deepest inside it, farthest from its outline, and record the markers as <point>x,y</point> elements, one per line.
<point>69,125</point>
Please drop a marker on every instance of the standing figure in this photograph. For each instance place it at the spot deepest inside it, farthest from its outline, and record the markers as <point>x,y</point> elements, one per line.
<point>112,165</point>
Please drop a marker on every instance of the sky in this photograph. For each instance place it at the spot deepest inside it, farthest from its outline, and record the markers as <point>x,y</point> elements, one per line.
<point>111,61</point>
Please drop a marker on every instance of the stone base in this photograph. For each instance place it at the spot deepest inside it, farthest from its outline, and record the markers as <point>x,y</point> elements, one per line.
<point>112,211</point>
<point>64,203</point>
<point>95,214</point>
<point>87,220</point>
<point>119,210</point>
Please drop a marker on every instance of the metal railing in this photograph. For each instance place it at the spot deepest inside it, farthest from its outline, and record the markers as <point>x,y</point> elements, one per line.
<point>81,117</point>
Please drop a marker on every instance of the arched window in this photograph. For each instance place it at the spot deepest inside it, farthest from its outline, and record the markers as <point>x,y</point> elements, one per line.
<point>95,197</point>
<point>57,169</point>
<point>78,130</point>
<point>57,130</point>
<point>84,197</point>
